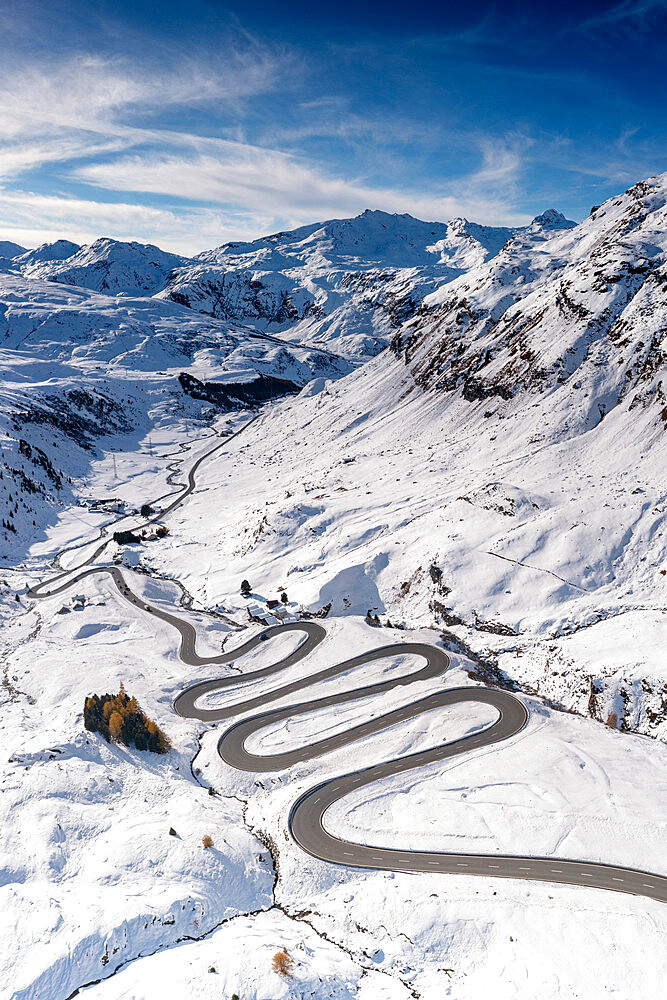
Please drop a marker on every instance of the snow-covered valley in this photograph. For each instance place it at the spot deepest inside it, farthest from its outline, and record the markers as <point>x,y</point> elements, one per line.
<point>493,485</point>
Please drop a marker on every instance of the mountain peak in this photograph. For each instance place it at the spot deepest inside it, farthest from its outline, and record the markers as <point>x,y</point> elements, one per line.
<point>58,250</point>
<point>551,219</point>
<point>379,213</point>
<point>10,250</point>
<point>106,265</point>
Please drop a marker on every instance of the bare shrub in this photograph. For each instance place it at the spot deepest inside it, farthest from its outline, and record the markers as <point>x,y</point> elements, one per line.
<point>207,840</point>
<point>612,720</point>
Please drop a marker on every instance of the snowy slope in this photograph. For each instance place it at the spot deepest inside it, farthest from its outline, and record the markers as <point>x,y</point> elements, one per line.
<point>495,482</point>
<point>47,252</point>
<point>500,474</point>
<point>107,266</point>
<point>98,889</point>
<point>346,283</point>
<point>9,249</point>
<point>349,282</point>
<point>579,318</point>
<point>81,370</point>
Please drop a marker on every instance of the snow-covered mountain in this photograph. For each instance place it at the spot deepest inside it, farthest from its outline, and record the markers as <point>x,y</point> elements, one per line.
<point>9,249</point>
<point>579,317</point>
<point>495,483</point>
<point>46,253</point>
<point>104,266</point>
<point>347,284</point>
<point>523,350</point>
<point>82,369</point>
<point>110,310</point>
<point>500,473</point>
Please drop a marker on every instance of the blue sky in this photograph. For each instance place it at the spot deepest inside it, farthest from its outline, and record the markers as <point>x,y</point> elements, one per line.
<point>189,124</point>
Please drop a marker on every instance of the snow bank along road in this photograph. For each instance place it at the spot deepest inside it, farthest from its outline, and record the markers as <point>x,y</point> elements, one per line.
<point>306,817</point>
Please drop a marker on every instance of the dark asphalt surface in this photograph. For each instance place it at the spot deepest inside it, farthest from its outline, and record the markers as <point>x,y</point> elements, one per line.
<point>47,588</point>
<point>306,816</point>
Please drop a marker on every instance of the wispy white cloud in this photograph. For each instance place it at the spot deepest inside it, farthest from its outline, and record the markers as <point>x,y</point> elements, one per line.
<point>291,189</point>
<point>628,16</point>
<point>108,129</point>
<point>19,157</point>
<point>31,218</point>
<point>620,161</point>
<point>105,123</point>
<point>88,105</point>
<point>87,89</point>
<point>219,190</point>
<point>503,160</point>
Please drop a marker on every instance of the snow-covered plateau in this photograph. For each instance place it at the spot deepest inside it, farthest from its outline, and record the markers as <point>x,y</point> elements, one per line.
<point>447,433</point>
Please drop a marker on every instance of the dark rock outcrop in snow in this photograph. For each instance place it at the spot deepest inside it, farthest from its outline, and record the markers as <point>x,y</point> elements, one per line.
<point>232,395</point>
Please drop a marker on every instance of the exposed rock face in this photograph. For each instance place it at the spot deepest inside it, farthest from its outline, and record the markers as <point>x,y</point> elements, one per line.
<point>348,283</point>
<point>232,395</point>
<point>82,370</point>
<point>580,315</point>
<point>500,473</point>
<point>345,285</point>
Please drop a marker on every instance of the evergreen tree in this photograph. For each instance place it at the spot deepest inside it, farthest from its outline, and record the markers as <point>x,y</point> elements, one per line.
<point>120,718</point>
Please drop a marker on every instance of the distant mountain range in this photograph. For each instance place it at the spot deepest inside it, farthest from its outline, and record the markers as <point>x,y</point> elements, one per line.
<point>345,285</point>
<point>90,336</point>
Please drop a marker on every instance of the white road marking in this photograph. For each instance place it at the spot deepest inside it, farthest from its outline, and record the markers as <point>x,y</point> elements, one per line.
<point>189,639</point>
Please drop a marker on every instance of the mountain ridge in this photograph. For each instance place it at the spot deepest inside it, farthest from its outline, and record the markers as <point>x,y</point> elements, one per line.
<point>498,474</point>
<point>346,284</point>
<point>343,284</point>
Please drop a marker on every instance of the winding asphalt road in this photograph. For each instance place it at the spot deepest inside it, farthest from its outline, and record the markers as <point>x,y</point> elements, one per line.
<point>47,589</point>
<point>306,820</point>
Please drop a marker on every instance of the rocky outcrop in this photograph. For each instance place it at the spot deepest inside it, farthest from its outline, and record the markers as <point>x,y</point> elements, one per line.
<point>581,315</point>
<point>232,395</point>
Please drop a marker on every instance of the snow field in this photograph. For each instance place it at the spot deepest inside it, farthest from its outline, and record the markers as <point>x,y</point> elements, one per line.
<point>241,954</point>
<point>355,510</point>
<point>406,932</point>
<point>530,525</point>
<point>92,875</point>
